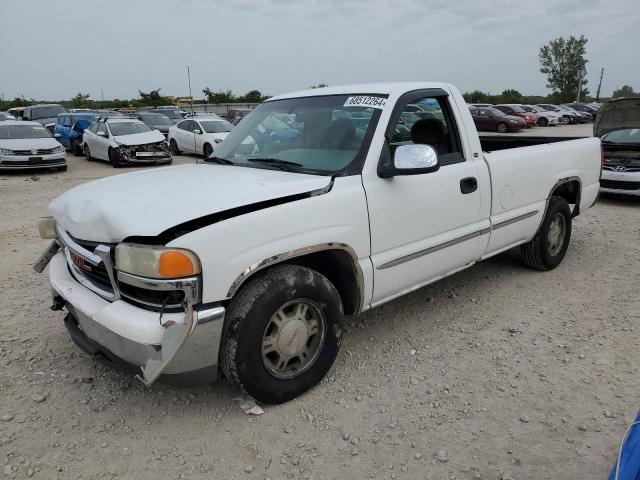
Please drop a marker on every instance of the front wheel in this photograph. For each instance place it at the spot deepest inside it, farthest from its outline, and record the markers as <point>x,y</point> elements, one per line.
<point>113,158</point>
<point>564,120</point>
<point>207,150</point>
<point>501,128</point>
<point>549,246</point>
<point>543,122</point>
<point>173,145</point>
<point>282,333</point>
<point>87,153</point>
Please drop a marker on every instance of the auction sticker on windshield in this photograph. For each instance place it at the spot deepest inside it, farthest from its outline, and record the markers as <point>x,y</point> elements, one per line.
<point>365,101</point>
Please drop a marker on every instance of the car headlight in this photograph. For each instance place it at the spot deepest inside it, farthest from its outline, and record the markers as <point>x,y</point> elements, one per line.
<point>47,228</point>
<point>58,150</point>
<point>156,262</point>
<point>6,151</point>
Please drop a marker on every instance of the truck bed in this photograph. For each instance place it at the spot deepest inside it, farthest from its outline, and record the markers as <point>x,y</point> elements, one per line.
<point>492,143</point>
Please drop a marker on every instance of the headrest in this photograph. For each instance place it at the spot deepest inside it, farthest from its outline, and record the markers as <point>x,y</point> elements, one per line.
<point>427,131</point>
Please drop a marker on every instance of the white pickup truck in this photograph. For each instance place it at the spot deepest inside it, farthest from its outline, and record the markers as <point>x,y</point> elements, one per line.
<point>319,204</point>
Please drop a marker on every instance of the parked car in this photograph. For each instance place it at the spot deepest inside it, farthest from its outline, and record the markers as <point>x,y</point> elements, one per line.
<point>517,111</point>
<point>482,105</point>
<point>199,135</point>
<point>583,117</point>
<point>17,112</point>
<point>70,127</point>
<point>254,257</point>
<point>124,141</point>
<point>618,126</point>
<point>6,116</point>
<point>174,115</point>
<point>234,115</point>
<point>28,145</point>
<point>494,120</point>
<point>570,116</point>
<point>44,114</point>
<point>592,112</point>
<point>545,118</point>
<point>158,121</point>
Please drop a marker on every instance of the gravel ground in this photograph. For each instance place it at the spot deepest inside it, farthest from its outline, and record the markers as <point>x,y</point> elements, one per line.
<point>498,372</point>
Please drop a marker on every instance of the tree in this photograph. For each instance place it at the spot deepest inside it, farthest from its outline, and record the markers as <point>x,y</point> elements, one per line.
<point>511,96</point>
<point>476,97</point>
<point>219,97</point>
<point>254,96</point>
<point>625,91</point>
<point>80,100</point>
<point>562,61</point>
<point>152,98</point>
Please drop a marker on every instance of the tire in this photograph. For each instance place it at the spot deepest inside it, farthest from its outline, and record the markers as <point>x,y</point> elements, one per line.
<point>247,358</point>
<point>87,153</point>
<point>543,122</point>
<point>75,148</point>
<point>62,169</point>
<point>501,127</point>
<point>207,150</point>
<point>174,146</point>
<point>549,246</point>
<point>113,159</point>
<point>564,120</point>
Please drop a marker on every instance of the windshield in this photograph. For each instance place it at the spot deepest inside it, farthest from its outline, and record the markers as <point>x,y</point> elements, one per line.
<point>216,126</point>
<point>172,114</point>
<point>516,108</point>
<point>626,136</point>
<point>315,134</point>
<point>12,132</point>
<point>496,112</point>
<point>46,112</point>
<point>529,109</point>
<point>157,119</point>
<point>91,118</point>
<point>127,128</point>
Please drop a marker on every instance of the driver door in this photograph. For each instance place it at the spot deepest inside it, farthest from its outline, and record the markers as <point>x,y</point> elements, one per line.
<point>100,149</point>
<point>424,226</point>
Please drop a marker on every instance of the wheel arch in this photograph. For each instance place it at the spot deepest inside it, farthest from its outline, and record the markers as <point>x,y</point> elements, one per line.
<point>336,261</point>
<point>569,188</point>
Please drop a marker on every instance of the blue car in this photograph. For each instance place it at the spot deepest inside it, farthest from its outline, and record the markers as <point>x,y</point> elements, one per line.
<point>69,128</point>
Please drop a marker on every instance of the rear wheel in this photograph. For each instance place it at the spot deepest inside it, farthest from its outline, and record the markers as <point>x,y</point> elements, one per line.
<point>501,128</point>
<point>174,146</point>
<point>207,150</point>
<point>282,333</point>
<point>543,122</point>
<point>549,246</point>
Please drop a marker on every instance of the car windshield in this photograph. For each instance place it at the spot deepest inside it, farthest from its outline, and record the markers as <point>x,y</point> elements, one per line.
<point>127,128</point>
<point>216,126</point>
<point>529,109</point>
<point>156,119</point>
<point>322,134</point>
<point>516,108</point>
<point>171,114</point>
<point>46,112</point>
<point>13,132</point>
<point>626,136</point>
<point>496,112</point>
<point>91,118</point>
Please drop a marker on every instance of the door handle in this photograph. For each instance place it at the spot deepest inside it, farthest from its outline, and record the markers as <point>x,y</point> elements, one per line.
<point>468,185</point>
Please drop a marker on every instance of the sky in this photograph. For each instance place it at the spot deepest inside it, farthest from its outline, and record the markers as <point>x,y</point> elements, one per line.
<point>52,50</point>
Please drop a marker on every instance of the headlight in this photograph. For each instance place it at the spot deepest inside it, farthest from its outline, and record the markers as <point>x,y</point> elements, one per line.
<point>6,151</point>
<point>58,150</point>
<point>47,228</point>
<point>156,262</point>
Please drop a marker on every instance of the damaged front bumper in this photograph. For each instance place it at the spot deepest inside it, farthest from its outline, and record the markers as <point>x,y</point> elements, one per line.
<point>150,153</point>
<point>183,349</point>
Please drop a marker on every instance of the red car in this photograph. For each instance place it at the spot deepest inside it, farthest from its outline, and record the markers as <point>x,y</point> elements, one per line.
<point>494,120</point>
<point>517,111</point>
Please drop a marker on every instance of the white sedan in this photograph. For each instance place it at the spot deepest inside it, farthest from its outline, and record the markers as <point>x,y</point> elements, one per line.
<point>26,145</point>
<point>545,117</point>
<point>198,135</point>
<point>121,141</point>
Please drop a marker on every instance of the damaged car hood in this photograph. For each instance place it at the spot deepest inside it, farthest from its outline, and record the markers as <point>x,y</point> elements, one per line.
<point>620,114</point>
<point>139,138</point>
<point>151,202</point>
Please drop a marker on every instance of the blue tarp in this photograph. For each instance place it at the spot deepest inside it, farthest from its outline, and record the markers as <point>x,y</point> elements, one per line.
<point>629,468</point>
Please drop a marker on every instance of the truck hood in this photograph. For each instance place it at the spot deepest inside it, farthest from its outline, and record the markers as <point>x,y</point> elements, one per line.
<point>29,143</point>
<point>140,138</point>
<point>148,203</point>
<point>619,114</point>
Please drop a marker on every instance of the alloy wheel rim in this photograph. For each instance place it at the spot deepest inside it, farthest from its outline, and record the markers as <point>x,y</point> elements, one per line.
<point>293,338</point>
<point>555,237</point>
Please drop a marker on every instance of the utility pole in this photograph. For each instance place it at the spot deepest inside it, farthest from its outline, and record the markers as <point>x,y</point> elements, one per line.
<point>101,97</point>
<point>190,96</point>
<point>599,85</point>
<point>581,76</point>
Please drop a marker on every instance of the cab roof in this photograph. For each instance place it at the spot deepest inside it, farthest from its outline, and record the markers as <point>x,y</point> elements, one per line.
<point>390,89</point>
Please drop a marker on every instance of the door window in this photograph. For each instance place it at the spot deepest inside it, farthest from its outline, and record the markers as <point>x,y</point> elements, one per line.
<point>429,121</point>
<point>103,128</point>
<point>186,125</point>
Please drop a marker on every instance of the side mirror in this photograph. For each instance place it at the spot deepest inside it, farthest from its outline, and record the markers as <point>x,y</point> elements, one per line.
<point>101,134</point>
<point>413,159</point>
<point>57,135</point>
<point>197,131</point>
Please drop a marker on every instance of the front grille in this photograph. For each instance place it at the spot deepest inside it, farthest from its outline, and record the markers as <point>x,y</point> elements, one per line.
<point>98,275</point>
<point>620,185</point>
<point>153,299</point>
<point>626,168</point>
<point>33,163</point>
<point>40,151</point>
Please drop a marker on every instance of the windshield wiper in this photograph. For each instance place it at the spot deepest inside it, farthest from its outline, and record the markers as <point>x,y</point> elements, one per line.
<point>219,161</point>
<point>285,165</point>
